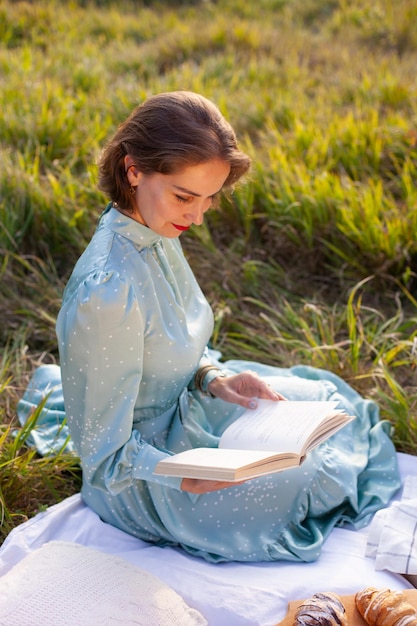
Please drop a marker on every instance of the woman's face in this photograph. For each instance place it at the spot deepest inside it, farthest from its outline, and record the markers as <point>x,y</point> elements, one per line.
<point>170,203</point>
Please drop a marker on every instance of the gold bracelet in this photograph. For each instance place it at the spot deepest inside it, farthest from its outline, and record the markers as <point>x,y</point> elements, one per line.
<point>200,375</point>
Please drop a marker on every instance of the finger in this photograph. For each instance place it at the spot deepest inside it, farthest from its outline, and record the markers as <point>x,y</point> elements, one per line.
<point>251,401</point>
<point>272,394</point>
<point>254,385</point>
<point>200,486</point>
<point>277,395</point>
<point>266,392</point>
<point>248,402</point>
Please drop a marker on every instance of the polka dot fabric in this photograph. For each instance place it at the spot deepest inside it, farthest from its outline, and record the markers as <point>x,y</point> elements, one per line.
<point>133,329</point>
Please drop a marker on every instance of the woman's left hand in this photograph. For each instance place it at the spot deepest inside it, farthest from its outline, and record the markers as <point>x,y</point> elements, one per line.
<point>197,485</point>
<point>243,389</point>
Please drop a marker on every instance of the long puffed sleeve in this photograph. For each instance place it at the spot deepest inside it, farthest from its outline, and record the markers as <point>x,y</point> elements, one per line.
<point>101,343</point>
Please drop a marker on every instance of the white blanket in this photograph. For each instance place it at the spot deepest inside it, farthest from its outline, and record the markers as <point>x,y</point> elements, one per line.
<point>228,594</point>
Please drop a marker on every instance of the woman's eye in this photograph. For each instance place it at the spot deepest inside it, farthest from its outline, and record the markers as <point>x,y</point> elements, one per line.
<point>182,199</point>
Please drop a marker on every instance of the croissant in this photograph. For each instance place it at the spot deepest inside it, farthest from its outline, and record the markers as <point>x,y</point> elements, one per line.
<point>383,607</point>
<point>324,609</point>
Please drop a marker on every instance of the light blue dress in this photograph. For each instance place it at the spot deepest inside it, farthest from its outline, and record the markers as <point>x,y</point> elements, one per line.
<point>133,329</point>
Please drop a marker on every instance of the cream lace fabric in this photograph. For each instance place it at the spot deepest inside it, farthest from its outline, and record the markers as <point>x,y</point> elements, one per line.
<point>63,584</point>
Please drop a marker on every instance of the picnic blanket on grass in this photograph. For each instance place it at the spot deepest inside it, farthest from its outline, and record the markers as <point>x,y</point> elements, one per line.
<point>225,594</point>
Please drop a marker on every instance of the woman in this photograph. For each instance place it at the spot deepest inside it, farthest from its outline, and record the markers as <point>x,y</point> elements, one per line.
<point>139,382</point>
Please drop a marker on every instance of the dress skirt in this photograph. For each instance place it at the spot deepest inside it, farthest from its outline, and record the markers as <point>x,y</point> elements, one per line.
<point>282,516</point>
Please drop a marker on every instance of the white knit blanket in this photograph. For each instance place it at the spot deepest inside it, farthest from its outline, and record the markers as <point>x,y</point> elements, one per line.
<point>66,584</point>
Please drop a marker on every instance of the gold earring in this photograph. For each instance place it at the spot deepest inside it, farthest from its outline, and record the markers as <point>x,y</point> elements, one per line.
<point>132,187</point>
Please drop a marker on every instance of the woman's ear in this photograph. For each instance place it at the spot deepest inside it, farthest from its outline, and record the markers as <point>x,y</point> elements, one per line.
<point>131,170</point>
<point>129,162</point>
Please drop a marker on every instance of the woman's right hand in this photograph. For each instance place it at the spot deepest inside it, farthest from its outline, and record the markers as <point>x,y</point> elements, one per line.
<point>243,388</point>
<point>197,485</point>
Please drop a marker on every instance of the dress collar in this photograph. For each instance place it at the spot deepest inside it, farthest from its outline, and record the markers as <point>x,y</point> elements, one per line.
<point>140,235</point>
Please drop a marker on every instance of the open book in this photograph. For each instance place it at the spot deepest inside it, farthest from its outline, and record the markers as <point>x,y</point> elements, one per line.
<point>273,437</point>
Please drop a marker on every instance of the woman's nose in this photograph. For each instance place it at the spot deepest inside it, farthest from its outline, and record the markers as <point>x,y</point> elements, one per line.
<point>196,215</point>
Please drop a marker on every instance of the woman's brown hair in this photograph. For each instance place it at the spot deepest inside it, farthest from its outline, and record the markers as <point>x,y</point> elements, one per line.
<point>165,134</point>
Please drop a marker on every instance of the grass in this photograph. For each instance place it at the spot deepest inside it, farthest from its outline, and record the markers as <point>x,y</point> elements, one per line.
<point>312,260</point>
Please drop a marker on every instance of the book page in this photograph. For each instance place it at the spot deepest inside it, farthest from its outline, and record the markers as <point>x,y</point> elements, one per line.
<point>222,464</point>
<point>281,426</point>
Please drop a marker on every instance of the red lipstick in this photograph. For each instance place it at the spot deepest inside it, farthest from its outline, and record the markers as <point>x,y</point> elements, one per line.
<point>178,227</point>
